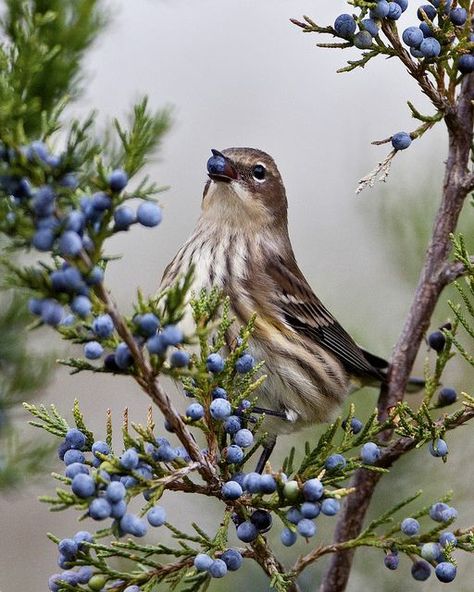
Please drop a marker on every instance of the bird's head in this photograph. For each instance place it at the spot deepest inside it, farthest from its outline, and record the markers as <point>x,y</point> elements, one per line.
<point>244,188</point>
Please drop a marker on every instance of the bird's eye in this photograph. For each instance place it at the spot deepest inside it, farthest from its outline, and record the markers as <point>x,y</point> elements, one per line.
<point>258,172</point>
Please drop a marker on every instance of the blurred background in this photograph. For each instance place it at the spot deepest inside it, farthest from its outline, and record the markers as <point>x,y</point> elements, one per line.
<point>243,75</point>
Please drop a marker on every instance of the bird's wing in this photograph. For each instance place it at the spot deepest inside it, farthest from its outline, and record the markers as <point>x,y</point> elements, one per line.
<point>304,312</point>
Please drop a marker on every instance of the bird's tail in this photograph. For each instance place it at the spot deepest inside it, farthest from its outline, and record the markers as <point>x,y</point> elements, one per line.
<point>414,385</point>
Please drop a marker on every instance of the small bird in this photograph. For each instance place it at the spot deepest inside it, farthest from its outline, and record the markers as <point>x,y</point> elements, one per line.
<point>241,245</point>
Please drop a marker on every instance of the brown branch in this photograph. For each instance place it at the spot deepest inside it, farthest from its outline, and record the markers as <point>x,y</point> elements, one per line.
<point>150,384</point>
<point>431,282</point>
<point>454,270</point>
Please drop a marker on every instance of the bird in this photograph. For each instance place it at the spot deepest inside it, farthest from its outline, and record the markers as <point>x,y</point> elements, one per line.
<point>242,246</point>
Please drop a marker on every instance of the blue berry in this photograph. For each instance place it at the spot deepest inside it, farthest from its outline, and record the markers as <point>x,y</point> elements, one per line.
<point>391,560</point>
<point>288,537</point>
<point>267,484</point>
<point>100,447</point>
<point>330,507</point>
<point>219,393</point>
<point>458,16</point>
<point>437,341</point>
<point>401,140</point>
<point>51,312</point>
<point>84,574</point>
<point>438,448</point>
<point>244,364</point>
<point>202,562</point>
<point>43,201</point>
<point>403,4</point>
<point>345,26</point>
<point>410,526</point>
<point>68,548</point>
<point>70,181</point>
<point>96,275</point>
<point>99,509</point>
<point>129,459</point>
<point>436,511</point>
<point>156,516</point>
<point>148,324</point>
<point>215,363</point>
<point>73,456</point>
<point>243,438</point>
<point>252,482</point>
<point>132,524</point>
<point>149,214</point>
<point>35,306</point>
<point>447,538</point>
<point>232,425</point>
<point>75,439</point>
<point>310,510</point>
<point>294,515</point>
<point>313,490</point>
<point>43,239</point>
<point>103,326</point>
<point>76,468</point>
<point>220,409</point>
<point>381,10</point>
<point>195,411</point>
<point>262,520</point>
<point>93,350</point>
<point>234,454</point>
<point>412,36</point>
<point>335,462</point>
<point>429,11</point>
<point>83,536</point>
<point>394,11</point>
<point>421,570</point>
<point>70,244</point>
<point>447,395</point>
<point>81,305</point>
<point>156,345</point>
<point>363,40</point>
<point>118,179</point>
<point>356,425</point>
<point>172,335</point>
<point>115,492</point>
<point>431,551</point>
<point>449,514</point>
<point>217,569</point>
<point>124,217</point>
<point>371,26</point>
<point>466,63</point>
<point>306,528</point>
<point>233,559</point>
<point>165,453</point>
<point>37,150</point>
<point>445,572</point>
<point>430,47</point>
<point>100,202</point>
<point>370,453</point>
<point>118,509</point>
<point>123,356</point>
<point>179,358</point>
<point>231,490</point>
<point>247,532</point>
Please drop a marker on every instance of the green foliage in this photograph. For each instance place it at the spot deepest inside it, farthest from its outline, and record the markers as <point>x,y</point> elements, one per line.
<point>41,60</point>
<point>22,374</point>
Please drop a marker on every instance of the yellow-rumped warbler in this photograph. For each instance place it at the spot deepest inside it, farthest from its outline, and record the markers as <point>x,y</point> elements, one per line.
<point>241,245</point>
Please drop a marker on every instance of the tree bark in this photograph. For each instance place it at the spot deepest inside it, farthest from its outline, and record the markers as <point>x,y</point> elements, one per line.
<point>432,280</point>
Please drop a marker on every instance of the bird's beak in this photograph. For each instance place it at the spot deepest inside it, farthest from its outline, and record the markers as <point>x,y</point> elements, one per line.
<point>220,168</point>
